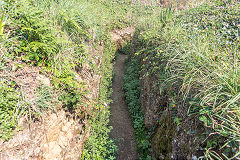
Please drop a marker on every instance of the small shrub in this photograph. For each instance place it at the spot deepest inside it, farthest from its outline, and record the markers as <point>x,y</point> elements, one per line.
<point>10,107</point>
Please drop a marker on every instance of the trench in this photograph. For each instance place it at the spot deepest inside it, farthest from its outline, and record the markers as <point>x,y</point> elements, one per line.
<point>120,120</point>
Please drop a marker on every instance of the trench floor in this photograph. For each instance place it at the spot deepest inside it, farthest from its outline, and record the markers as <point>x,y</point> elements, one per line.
<point>120,119</point>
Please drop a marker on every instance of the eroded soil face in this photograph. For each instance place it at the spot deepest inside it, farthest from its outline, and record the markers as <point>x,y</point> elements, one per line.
<point>54,135</point>
<point>49,136</point>
<point>57,137</point>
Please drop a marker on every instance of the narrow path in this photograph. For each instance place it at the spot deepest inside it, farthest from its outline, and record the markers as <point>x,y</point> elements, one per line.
<point>120,118</point>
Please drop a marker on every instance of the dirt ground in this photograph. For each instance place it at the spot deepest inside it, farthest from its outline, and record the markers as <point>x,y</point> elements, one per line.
<point>120,120</point>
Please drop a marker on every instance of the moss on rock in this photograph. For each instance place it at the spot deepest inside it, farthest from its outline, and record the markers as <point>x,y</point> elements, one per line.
<point>162,139</point>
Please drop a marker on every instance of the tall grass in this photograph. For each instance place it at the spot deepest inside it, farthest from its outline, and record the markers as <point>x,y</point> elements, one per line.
<point>210,75</point>
<point>198,54</point>
<point>92,17</point>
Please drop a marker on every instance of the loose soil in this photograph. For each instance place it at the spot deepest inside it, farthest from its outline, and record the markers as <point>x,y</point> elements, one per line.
<point>123,130</point>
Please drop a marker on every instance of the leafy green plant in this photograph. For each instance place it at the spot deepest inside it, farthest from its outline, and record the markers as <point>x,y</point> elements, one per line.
<point>56,36</point>
<point>10,107</point>
<point>132,94</point>
<point>177,120</point>
<point>34,37</point>
<point>100,145</point>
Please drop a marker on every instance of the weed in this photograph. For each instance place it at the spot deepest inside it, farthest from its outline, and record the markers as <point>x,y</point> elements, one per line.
<point>132,94</point>
<point>166,16</point>
<point>10,107</point>
<point>46,98</point>
<point>54,35</point>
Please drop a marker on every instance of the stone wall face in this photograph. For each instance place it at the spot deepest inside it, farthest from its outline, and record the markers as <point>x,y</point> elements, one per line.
<point>168,140</point>
<point>151,101</point>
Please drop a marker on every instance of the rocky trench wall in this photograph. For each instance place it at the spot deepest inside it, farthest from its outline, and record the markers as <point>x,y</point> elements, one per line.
<point>174,134</point>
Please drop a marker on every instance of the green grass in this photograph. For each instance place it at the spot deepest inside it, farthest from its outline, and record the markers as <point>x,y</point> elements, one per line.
<point>196,56</point>
<point>47,98</point>
<point>10,106</point>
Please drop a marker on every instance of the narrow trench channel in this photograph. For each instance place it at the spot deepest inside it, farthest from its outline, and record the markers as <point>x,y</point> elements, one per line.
<point>120,119</point>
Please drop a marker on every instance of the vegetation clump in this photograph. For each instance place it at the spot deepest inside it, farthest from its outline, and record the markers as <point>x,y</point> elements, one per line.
<point>100,145</point>
<point>10,99</point>
<point>195,57</point>
<point>132,94</point>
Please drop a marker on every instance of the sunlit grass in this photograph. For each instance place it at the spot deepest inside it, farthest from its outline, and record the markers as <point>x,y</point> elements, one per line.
<point>198,52</point>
